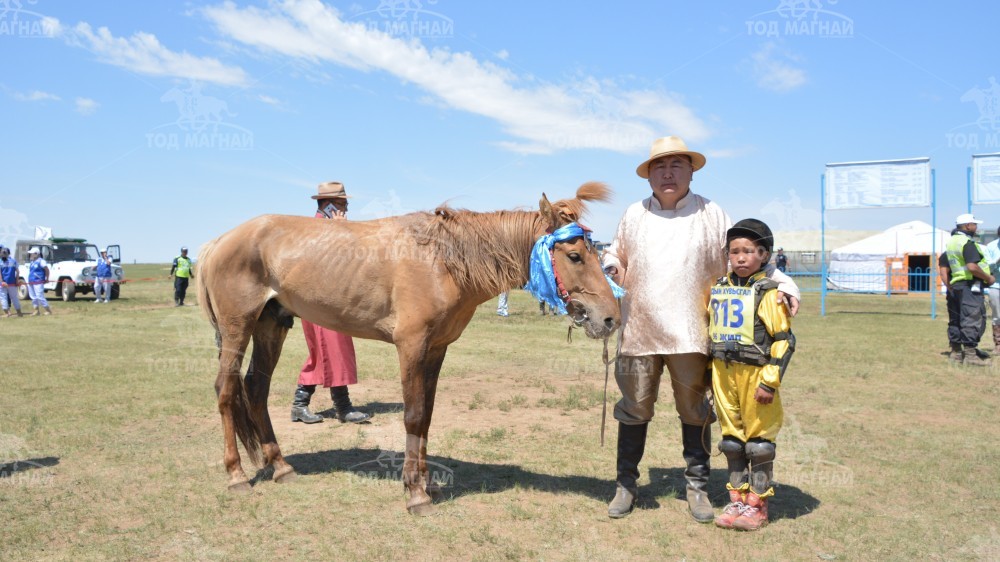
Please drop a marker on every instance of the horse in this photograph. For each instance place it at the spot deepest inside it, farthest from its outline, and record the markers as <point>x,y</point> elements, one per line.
<point>413,281</point>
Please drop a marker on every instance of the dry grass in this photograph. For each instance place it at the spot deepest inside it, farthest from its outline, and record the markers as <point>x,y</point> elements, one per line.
<point>112,445</point>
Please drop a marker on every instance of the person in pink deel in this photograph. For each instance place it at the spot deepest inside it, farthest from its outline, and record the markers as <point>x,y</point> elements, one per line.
<point>331,361</point>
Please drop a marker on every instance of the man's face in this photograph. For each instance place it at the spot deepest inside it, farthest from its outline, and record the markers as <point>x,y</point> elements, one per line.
<point>969,227</point>
<point>670,178</point>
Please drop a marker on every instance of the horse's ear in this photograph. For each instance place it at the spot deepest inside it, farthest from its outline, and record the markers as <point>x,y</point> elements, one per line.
<point>547,212</point>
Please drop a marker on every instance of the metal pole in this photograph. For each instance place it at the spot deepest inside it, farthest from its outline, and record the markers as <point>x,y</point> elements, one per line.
<point>933,264</point>
<point>822,245</point>
<point>968,188</point>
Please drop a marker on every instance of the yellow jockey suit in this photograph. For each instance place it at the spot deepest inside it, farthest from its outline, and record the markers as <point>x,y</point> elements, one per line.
<point>751,346</point>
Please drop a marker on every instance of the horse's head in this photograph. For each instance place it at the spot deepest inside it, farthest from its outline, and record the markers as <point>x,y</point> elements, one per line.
<point>577,264</point>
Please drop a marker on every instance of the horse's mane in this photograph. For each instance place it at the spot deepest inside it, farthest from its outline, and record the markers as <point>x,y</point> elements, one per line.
<point>485,252</point>
<point>489,252</point>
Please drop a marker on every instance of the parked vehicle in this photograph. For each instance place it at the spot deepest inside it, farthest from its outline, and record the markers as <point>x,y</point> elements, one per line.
<point>72,264</point>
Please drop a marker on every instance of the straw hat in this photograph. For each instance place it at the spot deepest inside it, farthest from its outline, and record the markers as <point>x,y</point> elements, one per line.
<point>667,146</point>
<point>331,190</point>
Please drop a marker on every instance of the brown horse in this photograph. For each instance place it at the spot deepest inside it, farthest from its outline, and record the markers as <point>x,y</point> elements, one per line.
<point>413,281</point>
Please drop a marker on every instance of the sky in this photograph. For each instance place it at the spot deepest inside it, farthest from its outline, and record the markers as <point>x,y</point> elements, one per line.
<point>160,124</point>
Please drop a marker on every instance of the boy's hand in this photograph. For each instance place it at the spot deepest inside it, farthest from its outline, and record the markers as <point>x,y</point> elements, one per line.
<point>763,396</point>
<point>790,302</point>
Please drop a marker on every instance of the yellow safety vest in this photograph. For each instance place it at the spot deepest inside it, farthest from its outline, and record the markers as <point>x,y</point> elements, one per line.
<point>956,259</point>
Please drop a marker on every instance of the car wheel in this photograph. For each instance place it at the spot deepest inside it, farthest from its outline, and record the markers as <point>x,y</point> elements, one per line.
<point>22,290</point>
<point>68,290</point>
<point>115,291</point>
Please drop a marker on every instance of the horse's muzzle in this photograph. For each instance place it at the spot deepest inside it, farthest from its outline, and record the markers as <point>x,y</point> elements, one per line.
<point>597,329</point>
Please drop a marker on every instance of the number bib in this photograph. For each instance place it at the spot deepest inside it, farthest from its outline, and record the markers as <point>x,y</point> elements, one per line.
<point>731,314</point>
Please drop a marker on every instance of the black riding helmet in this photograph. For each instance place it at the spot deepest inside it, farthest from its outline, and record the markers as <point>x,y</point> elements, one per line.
<point>754,230</point>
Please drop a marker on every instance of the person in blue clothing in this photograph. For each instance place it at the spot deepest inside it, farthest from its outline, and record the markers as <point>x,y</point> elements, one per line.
<point>8,282</point>
<point>38,276</point>
<point>102,278</point>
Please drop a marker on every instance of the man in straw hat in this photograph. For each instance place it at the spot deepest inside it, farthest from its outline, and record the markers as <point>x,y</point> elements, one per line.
<point>668,251</point>
<point>964,267</point>
<point>331,361</point>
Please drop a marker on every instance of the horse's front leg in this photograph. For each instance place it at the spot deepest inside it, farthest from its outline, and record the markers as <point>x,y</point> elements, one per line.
<point>420,373</point>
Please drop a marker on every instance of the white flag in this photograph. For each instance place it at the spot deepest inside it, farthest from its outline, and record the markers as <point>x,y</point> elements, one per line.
<point>43,233</point>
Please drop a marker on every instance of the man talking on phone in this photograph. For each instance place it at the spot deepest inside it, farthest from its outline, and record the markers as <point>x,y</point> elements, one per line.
<point>331,361</point>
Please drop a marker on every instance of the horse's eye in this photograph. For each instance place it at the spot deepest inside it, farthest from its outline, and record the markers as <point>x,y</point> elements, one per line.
<point>575,257</point>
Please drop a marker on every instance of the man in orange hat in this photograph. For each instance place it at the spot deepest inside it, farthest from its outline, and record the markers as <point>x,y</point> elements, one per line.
<point>668,251</point>
<point>331,361</point>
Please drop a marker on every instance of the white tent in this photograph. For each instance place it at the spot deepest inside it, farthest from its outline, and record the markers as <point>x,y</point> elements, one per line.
<point>865,265</point>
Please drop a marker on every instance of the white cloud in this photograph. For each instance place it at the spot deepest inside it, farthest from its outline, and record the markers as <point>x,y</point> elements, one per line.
<point>542,117</point>
<point>86,106</point>
<point>270,101</point>
<point>144,54</point>
<point>773,73</point>
<point>36,95</point>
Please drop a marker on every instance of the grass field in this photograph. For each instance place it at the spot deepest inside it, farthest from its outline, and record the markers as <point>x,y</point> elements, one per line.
<point>111,447</point>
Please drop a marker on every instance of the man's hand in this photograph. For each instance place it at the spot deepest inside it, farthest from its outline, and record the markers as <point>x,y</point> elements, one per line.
<point>790,302</point>
<point>763,396</point>
<point>612,271</point>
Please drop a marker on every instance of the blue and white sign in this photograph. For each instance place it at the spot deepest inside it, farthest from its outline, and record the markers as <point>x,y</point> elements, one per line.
<point>985,178</point>
<point>885,183</point>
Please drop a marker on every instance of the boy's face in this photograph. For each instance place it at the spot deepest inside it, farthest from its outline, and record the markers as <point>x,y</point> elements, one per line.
<point>746,257</point>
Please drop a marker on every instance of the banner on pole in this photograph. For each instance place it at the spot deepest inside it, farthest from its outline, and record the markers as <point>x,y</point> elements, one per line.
<point>884,183</point>
<point>985,178</point>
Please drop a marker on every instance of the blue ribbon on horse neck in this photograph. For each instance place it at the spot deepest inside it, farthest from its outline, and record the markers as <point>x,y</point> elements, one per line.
<point>542,278</point>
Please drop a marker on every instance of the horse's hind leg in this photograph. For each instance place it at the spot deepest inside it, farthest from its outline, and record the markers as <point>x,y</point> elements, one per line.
<point>229,389</point>
<point>268,338</point>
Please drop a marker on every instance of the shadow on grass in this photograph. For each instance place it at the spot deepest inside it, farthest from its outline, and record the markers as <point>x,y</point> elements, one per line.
<point>460,478</point>
<point>457,477</point>
<point>9,469</point>
<point>373,408</point>
<point>789,502</point>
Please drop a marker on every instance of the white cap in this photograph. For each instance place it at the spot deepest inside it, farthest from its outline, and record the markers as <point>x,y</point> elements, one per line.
<point>105,250</point>
<point>34,250</point>
<point>966,219</point>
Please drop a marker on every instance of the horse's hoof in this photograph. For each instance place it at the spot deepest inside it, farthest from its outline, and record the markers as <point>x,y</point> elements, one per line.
<point>421,509</point>
<point>285,476</point>
<point>240,488</point>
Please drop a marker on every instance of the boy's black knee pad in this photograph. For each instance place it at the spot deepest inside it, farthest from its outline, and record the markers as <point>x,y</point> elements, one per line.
<point>760,450</point>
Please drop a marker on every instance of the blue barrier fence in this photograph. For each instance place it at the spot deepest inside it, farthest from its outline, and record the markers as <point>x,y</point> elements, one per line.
<point>914,280</point>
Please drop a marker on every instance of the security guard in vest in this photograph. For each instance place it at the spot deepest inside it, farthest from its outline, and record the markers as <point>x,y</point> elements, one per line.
<point>182,271</point>
<point>964,263</point>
